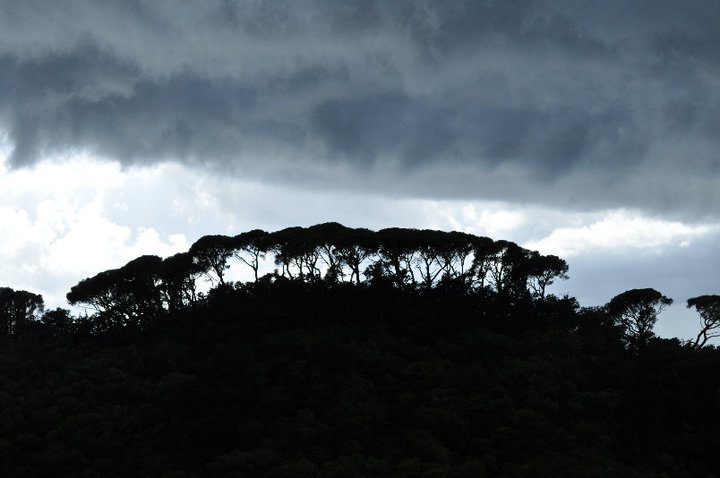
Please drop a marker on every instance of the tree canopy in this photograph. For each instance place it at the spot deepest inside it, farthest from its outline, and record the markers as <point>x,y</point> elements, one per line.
<point>17,309</point>
<point>708,306</point>
<point>636,311</point>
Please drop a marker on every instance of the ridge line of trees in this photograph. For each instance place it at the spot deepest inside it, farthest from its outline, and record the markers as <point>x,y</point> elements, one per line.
<point>405,259</point>
<point>409,260</point>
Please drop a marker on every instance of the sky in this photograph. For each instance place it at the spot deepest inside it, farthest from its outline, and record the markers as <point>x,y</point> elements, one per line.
<point>586,129</point>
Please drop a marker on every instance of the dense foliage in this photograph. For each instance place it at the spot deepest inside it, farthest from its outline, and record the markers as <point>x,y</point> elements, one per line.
<point>364,355</point>
<point>330,253</point>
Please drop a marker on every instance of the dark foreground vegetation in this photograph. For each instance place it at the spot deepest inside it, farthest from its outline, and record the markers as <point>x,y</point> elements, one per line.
<point>392,354</point>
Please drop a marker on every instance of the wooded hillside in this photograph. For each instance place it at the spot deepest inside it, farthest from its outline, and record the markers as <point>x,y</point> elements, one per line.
<point>396,353</point>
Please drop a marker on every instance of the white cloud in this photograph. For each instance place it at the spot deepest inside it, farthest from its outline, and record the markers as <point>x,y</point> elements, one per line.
<point>619,231</point>
<point>15,230</point>
<point>492,219</point>
<point>57,224</point>
<point>91,244</point>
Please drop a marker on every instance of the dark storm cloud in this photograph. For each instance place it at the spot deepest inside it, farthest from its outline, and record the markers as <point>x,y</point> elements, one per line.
<point>604,103</point>
<point>396,124</point>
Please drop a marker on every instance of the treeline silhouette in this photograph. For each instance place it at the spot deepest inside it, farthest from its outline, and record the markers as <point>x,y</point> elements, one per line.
<point>397,353</point>
<point>329,254</point>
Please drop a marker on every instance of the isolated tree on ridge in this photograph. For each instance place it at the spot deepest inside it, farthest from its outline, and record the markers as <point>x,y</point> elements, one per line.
<point>636,310</point>
<point>708,306</point>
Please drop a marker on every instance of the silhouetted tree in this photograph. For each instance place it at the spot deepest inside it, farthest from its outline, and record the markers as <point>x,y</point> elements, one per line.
<point>98,292</point>
<point>484,252</point>
<point>306,256</point>
<point>129,295</point>
<point>353,249</point>
<point>397,251</point>
<point>508,269</point>
<point>178,275</point>
<point>211,254</point>
<point>141,281</point>
<point>428,258</point>
<point>250,247</point>
<point>543,271</point>
<point>455,252</point>
<point>17,308</point>
<point>286,248</point>
<point>58,321</point>
<point>708,306</point>
<point>636,311</point>
<point>326,237</point>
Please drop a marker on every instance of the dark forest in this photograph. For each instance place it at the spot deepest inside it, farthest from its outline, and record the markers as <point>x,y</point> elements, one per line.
<point>396,353</point>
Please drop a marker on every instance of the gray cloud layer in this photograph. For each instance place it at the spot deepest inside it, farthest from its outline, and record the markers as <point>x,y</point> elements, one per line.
<point>595,104</point>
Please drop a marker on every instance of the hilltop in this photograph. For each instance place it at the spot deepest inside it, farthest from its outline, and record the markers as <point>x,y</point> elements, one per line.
<point>392,353</point>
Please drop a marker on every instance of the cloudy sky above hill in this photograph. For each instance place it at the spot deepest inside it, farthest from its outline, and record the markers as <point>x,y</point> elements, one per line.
<point>586,129</point>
